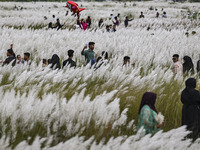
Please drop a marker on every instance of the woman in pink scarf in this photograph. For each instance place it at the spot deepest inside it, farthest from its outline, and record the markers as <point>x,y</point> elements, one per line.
<point>84,25</point>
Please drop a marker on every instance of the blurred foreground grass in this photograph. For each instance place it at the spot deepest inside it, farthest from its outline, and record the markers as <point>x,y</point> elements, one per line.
<point>168,103</point>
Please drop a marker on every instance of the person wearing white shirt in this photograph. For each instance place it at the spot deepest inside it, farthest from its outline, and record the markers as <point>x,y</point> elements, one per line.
<point>177,68</point>
<point>19,60</point>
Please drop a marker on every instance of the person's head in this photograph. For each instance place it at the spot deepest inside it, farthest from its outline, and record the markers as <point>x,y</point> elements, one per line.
<point>164,13</point>
<point>118,15</point>
<point>82,20</point>
<point>88,17</point>
<point>111,26</point>
<point>126,17</point>
<point>187,59</point>
<point>91,45</point>
<point>101,20</point>
<point>26,56</point>
<point>141,13</point>
<point>105,54</point>
<point>70,53</point>
<point>149,99</point>
<point>175,58</point>
<point>190,83</point>
<point>19,57</point>
<point>114,26</point>
<point>55,58</point>
<point>111,15</point>
<point>58,20</point>
<point>116,18</point>
<point>45,61</point>
<point>126,60</point>
<point>55,61</point>
<point>10,52</point>
<point>50,25</point>
<point>53,16</point>
<point>108,28</point>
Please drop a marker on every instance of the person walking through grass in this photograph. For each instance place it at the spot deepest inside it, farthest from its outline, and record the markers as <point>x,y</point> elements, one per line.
<point>188,66</point>
<point>148,113</point>
<point>126,21</point>
<point>177,68</point>
<point>55,62</point>
<point>69,62</point>
<point>190,98</point>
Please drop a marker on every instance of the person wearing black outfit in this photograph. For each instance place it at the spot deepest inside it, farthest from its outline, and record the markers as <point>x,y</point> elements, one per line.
<point>69,61</point>
<point>126,21</point>
<point>88,21</point>
<point>58,25</point>
<point>100,23</point>
<point>55,62</point>
<point>188,65</point>
<point>11,57</point>
<point>190,98</point>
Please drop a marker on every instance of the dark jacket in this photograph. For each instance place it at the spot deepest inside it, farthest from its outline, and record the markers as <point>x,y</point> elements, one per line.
<point>70,62</point>
<point>9,60</point>
<point>191,108</point>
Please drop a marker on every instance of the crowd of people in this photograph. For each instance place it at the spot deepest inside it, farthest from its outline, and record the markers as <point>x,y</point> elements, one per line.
<point>147,110</point>
<point>90,57</point>
<point>85,24</point>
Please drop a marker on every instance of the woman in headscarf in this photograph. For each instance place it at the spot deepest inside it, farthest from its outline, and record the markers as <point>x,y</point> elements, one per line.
<point>148,113</point>
<point>191,108</point>
<point>188,65</point>
<point>55,62</point>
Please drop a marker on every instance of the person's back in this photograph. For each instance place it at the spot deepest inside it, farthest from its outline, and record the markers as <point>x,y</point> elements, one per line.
<point>190,98</point>
<point>147,120</point>
<point>69,61</point>
<point>188,66</point>
<point>55,62</point>
<point>148,113</point>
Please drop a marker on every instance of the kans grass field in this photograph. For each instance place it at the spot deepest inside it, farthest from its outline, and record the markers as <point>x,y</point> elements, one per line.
<point>85,109</point>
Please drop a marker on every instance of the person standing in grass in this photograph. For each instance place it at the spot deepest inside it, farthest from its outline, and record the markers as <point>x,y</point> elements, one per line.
<point>55,62</point>
<point>188,65</point>
<point>89,22</point>
<point>177,68</point>
<point>126,21</point>
<point>69,61</point>
<point>89,54</point>
<point>190,98</point>
<point>148,114</point>
<point>141,15</point>
<point>27,58</point>
<point>116,22</point>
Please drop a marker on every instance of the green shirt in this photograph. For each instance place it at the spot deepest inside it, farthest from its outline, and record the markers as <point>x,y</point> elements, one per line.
<point>147,120</point>
<point>88,55</point>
